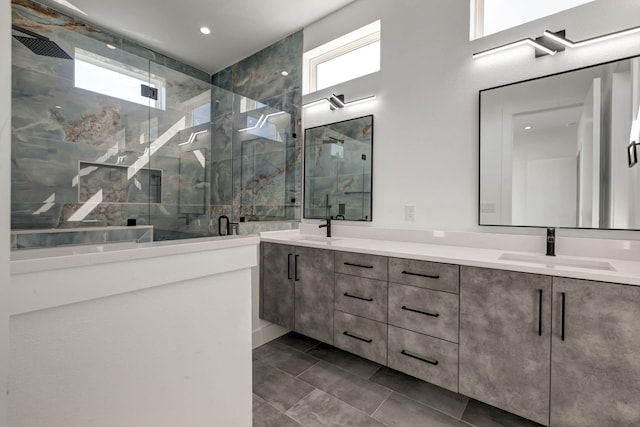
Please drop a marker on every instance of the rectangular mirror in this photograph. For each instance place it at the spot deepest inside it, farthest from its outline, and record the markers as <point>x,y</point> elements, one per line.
<point>338,170</point>
<point>554,150</point>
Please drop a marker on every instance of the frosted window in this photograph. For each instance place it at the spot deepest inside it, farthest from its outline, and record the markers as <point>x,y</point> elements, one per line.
<point>498,15</point>
<point>111,78</point>
<point>357,63</point>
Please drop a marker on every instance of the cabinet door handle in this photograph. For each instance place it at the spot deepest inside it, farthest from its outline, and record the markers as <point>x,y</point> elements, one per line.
<point>347,294</point>
<point>428,276</point>
<point>358,265</point>
<point>289,266</point>
<point>367,340</point>
<point>562,317</point>
<point>422,359</point>
<point>295,268</point>
<point>404,307</point>
<point>539,312</point>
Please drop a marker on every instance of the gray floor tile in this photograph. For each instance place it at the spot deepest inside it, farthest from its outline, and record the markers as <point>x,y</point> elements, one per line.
<point>352,389</point>
<point>347,361</point>
<point>297,341</point>
<point>321,409</point>
<point>483,415</point>
<point>284,357</point>
<point>265,415</point>
<point>400,411</point>
<point>431,395</point>
<point>277,387</point>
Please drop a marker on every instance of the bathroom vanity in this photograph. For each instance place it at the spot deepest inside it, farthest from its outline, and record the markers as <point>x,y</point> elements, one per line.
<point>531,336</point>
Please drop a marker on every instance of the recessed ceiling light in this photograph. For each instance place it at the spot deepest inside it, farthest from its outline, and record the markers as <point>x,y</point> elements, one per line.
<point>205,30</point>
<point>57,106</point>
<point>284,73</point>
<point>527,127</point>
<point>110,46</point>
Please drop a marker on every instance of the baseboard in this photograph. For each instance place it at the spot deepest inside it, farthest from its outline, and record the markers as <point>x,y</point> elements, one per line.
<point>267,333</point>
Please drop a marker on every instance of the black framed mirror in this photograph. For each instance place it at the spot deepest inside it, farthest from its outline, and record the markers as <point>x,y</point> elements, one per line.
<point>554,151</point>
<point>338,170</point>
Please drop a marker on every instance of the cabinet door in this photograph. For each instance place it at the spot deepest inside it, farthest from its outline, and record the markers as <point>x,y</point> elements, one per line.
<point>595,369</point>
<point>276,290</point>
<point>314,293</point>
<point>505,322</point>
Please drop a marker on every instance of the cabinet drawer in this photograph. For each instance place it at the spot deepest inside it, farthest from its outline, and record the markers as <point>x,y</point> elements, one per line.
<point>422,310</point>
<point>364,337</point>
<point>363,265</point>
<point>425,274</point>
<point>430,359</point>
<point>361,296</point>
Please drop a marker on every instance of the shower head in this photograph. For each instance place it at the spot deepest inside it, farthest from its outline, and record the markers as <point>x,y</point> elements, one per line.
<point>40,45</point>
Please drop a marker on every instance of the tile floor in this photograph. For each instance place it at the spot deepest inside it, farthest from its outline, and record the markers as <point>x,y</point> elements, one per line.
<point>298,381</point>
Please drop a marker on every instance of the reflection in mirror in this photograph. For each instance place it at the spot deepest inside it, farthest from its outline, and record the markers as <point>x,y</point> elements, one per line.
<point>263,135</point>
<point>338,165</point>
<point>554,150</point>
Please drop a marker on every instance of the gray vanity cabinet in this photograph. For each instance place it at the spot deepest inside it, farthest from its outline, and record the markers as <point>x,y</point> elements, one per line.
<point>314,293</point>
<point>277,290</point>
<point>595,362</point>
<point>297,289</point>
<point>505,340</point>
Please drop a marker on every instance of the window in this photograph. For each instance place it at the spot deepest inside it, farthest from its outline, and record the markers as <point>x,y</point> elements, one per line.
<point>112,78</point>
<point>492,16</point>
<point>348,57</point>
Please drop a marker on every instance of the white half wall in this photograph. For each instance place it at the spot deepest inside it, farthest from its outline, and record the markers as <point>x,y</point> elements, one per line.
<point>172,355</point>
<point>426,111</point>
<point>5,180</point>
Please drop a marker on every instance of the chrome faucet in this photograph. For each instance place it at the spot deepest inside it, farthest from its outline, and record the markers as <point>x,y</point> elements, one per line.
<point>551,242</point>
<point>328,225</point>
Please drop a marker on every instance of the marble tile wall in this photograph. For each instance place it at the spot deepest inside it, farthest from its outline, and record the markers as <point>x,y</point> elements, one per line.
<point>181,174</point>
<point>61,134</point>
<point>266,162</point>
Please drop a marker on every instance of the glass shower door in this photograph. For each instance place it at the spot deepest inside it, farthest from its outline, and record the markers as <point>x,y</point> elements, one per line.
<point>180,155</point>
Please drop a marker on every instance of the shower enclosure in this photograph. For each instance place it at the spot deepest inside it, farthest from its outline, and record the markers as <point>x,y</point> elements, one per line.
<point>121,138</point>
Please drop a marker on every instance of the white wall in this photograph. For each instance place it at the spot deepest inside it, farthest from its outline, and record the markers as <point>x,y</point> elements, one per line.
<point>426,113</point>
<point>5,162</point>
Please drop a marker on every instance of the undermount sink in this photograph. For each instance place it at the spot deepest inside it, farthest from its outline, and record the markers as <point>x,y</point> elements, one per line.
<point>321,239</point>
<point>556,261</point>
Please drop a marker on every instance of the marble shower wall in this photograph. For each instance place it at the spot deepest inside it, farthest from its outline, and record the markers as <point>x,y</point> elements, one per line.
<point>84,158</point>
<point>260,133</point>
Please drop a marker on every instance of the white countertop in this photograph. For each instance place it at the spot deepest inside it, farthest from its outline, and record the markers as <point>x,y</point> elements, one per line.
<point>622,271</point>
<point>33,260</point>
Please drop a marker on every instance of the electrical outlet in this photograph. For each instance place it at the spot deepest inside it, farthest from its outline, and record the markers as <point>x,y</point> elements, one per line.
<point>410,213</point>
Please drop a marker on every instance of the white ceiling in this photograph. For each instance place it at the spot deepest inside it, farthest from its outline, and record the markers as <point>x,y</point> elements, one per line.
<point>239,28</point>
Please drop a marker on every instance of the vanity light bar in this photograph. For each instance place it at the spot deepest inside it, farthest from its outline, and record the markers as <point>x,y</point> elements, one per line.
<point>529,41</point>
<point>553,42</point>
<point>568,43</point>
<point>337,101</point>
<point>193,137</point>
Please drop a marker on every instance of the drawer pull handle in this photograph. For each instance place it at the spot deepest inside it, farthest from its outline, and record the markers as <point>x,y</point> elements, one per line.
<point>347,294</point>
<point>289,266</point>
<point>358,265</point>
<point>422,359</point>
<point>295,270</point>
<point>426,313</point>
<point>367,340</point>
<point>563,315</point>
<point>539,312</point>
<point>428,276</point>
